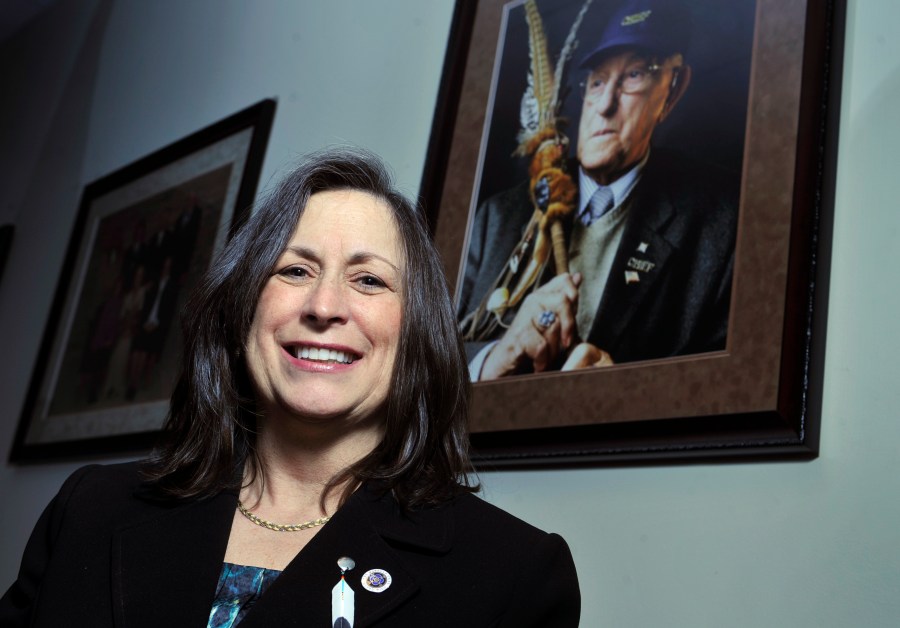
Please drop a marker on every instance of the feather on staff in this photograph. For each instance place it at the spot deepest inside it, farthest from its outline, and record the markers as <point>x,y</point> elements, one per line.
<point>551,188</point>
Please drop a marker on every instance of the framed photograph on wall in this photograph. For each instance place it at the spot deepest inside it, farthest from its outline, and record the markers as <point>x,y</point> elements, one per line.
<point>676,321</point>
<point>143,237</point>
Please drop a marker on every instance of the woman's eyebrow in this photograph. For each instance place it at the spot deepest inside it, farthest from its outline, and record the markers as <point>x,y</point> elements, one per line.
<point>359,257</point>
<point>365,256</point>
<point>302,251</point>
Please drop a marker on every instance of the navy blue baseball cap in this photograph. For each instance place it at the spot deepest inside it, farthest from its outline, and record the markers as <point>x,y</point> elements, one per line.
<point>660,26</point>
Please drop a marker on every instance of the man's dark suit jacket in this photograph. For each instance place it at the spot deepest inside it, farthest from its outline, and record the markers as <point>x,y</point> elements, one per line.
<point>105,553</point>
<point>686,218</point>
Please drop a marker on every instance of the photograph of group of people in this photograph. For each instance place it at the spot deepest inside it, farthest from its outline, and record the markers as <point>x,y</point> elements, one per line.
<point>124,343</point>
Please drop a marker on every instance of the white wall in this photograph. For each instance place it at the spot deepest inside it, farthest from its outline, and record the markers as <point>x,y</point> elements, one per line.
<point>775,544</point>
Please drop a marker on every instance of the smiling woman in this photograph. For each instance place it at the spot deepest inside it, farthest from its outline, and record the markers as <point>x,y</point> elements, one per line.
<point>324,338</point>
<point>314,466</point>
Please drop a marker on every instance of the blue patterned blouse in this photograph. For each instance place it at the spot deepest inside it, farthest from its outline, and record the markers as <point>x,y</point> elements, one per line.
<point>240,586</point>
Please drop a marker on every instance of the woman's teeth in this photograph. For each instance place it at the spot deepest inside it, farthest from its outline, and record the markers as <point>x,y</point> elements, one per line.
<point>322,355</point>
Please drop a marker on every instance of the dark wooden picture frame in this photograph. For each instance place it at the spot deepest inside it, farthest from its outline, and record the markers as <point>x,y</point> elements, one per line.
<point>757,397</point>
<point>143,237</point>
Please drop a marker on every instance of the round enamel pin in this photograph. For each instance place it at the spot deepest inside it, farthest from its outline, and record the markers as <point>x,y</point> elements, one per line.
<point>376,580</point>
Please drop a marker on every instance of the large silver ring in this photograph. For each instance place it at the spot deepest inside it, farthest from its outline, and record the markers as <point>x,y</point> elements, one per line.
<point>547,318</point>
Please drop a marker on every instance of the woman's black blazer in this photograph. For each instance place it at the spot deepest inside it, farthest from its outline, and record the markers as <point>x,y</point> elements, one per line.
<point>105,553</point>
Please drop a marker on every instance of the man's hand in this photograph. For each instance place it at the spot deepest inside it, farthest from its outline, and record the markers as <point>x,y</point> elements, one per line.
<point>586,355</point>
<point>542,328</point>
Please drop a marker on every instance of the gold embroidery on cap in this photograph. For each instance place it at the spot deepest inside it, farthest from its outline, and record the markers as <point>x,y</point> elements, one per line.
<point>635,18</point>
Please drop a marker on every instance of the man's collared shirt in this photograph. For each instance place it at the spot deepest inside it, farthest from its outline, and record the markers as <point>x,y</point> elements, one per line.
<point>620,188</point>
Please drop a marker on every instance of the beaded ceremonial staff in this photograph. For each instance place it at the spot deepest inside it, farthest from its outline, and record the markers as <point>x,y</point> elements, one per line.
<point>551,188</point>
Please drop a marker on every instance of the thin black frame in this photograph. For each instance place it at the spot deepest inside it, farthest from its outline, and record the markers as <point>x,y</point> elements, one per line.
<point>258,119</point>
<point>6,238</point>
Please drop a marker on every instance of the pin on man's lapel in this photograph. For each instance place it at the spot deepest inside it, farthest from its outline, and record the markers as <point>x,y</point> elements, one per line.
<point>636,265</point>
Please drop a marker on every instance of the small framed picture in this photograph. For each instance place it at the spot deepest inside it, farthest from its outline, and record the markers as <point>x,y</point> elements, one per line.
<point>143,237</point>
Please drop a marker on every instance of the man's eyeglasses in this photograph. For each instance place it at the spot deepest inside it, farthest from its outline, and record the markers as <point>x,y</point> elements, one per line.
<point>634,80</point>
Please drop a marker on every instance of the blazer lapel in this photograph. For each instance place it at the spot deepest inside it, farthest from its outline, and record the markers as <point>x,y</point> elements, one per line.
<point>361,530</point>
<point>168,565</point>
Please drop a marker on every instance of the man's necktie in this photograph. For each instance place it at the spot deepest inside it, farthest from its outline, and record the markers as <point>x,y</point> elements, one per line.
<point>600,203</point>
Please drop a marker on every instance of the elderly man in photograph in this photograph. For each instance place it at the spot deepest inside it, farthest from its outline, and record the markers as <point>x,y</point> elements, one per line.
<point>651,241</point>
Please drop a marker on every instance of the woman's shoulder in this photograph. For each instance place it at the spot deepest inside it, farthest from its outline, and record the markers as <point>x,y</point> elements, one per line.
<point>465,520</point>
<point>481,531</point>
<point>510,556</point>
<point>104,479</point>
<point>474,515</point>
<point>111,491</point>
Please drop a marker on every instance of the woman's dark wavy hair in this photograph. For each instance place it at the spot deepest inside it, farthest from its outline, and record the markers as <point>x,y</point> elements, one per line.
<point>210,433</point>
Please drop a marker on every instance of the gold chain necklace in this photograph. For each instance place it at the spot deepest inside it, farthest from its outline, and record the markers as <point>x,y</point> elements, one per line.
<point>278,527</point>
